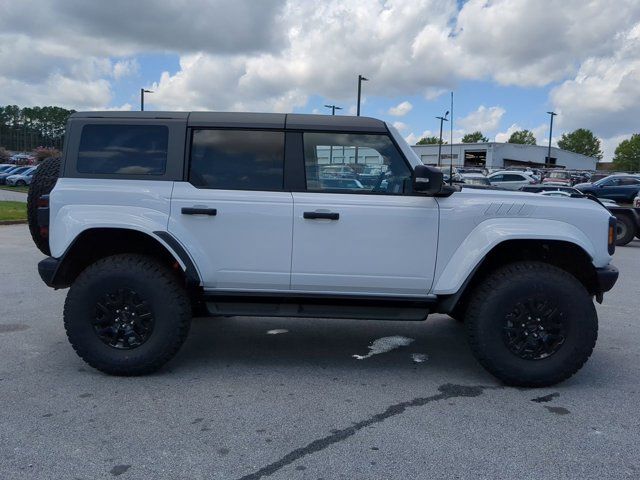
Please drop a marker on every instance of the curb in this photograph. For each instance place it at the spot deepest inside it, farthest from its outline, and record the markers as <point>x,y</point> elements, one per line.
<point>12,222</point>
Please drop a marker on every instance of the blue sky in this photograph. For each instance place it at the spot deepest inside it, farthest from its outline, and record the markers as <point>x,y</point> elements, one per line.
<point>508,61</point>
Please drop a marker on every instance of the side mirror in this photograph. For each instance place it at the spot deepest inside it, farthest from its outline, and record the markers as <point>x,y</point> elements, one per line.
<point>427,180</point>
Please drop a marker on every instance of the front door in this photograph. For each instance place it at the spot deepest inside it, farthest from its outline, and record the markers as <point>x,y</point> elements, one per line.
<point>232,214</point>
<point>351,237</point>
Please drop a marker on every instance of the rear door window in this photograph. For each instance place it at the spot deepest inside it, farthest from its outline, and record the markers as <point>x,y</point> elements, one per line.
<point>123,149</point>
<point>237,159</point>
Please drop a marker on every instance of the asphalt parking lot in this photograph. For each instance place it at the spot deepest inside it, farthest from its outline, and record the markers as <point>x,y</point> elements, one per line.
<point>241,403</point>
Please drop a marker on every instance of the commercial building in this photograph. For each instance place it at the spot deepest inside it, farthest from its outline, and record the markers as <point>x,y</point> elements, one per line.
<point>494,155</point>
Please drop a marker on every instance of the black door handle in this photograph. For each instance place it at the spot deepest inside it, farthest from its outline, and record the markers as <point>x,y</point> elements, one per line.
<point>323,215</point>
<point>199,211</point>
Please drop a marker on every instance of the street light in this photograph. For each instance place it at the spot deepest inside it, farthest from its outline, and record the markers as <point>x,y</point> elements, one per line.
<point>142,92</point>
<point>333,108</point>
<point>360,80</point>
<point>442,120</point>
<point>553,114</point>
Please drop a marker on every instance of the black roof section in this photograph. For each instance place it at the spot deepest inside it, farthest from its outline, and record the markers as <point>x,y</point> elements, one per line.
<point>292,121</point>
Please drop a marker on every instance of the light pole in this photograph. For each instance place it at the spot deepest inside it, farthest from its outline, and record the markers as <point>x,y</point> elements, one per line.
<point>552,114</point>
<point>333,108</point>
<point>142,92</point>
<point>442,120</point>
<point>360,80</point>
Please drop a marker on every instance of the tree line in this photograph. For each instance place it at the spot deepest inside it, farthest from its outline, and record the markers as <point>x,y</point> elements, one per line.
<point>582,140</point>
<point>25,129</point>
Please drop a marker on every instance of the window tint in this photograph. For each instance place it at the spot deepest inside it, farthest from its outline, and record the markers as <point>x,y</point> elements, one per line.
<point>497,178</point>
<point>513,177</point>
<point>237,159</point>
<point>123,149</point>
<point>629,181</point>
<point>354,163</point>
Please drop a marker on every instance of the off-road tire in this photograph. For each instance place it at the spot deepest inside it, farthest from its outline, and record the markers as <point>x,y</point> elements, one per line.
<point>499,294</point>
<point>157,285</point>
<point>625,230</point>
<point>44,179</point>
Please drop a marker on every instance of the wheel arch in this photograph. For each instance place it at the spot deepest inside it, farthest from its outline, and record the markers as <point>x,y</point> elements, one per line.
<point>93,244</point>
<point>566,255</point>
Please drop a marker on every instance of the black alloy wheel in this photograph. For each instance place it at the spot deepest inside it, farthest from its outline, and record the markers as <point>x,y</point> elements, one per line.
<point>123,320</point>
<point>534,330</point>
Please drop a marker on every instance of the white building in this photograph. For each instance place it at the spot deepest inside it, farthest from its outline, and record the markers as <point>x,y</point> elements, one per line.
<point>494,155</point>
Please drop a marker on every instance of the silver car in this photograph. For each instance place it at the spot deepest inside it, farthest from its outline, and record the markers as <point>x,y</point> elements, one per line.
<point>21,179</point>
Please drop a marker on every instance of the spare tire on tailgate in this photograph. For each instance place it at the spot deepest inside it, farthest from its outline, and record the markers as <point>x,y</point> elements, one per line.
<point>44,179</point>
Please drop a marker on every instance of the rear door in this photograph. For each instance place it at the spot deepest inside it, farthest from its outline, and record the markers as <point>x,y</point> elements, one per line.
<point>232,212</point>
<point>376,238</point>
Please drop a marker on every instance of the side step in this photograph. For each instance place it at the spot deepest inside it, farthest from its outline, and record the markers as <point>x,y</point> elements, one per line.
<point>318,306</point>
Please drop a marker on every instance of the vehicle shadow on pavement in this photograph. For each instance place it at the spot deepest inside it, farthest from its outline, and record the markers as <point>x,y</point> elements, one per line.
<point>439,342</point>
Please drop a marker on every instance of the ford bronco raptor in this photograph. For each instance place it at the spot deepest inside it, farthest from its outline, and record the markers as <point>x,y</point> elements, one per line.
<point>151,217</point>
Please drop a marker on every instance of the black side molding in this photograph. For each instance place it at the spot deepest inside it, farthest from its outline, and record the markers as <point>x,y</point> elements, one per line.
<point>193,279</point>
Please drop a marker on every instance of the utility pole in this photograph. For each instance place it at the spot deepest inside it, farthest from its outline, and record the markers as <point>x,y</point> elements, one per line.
<point>553,114</point>
<point>442,120</point>
<point>360,80</point>
<point>333,108</point>
<point>142,92</point>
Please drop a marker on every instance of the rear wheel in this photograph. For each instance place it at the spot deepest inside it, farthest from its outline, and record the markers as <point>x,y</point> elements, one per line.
<point>43,181</point>
<point>21,183</point>
<point>531,324</point>
<point>127,315</point>
<point>625,230</point>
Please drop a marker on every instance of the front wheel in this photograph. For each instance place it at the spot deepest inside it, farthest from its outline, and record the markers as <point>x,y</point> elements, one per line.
<point>531,324</point>
<point>127,315</point>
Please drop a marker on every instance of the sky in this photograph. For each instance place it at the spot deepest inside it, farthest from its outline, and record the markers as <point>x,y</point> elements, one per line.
<point>508,62</point>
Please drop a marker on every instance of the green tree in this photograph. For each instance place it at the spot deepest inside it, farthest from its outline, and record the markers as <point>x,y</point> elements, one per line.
<point>474,137</point>
<point>430,141</point>
<point>627,154</point>
<point>523,137</point>
<point>581,141</point>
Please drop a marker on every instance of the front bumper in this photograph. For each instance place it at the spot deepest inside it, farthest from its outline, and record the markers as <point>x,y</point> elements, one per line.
<point>606,278</point>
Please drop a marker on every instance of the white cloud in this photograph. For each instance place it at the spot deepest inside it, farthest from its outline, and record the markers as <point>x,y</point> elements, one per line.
<point>274,55</point>
<point>609,146</point>
<point>412,138</point>
<point>605,94</point>
<point>401,109</point>
<point>483,119</point>
<point>125,68</point>
<point>400,126</point>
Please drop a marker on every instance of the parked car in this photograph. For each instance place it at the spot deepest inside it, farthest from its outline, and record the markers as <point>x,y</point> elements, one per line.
<point>628,219</point>
<point>21,179</point>
<point>636,202</point>
<point>341,183</point>
<point>558,177</point>
<point>337,171</point>
<point>521,270</point>
<point>371,174</point>
<point>475,179</point>
<point>6,166</point>
<point>511,180</point>
<point>12,171</point>
<point>621,188</point>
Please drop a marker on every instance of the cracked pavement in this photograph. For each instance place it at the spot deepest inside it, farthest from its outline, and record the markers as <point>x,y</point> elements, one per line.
<point>240,403</point>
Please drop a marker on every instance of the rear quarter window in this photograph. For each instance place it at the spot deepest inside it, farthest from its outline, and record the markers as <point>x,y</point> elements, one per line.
<point>123,149</point>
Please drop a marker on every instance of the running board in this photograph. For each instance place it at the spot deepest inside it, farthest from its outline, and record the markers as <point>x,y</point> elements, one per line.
<point>318,306</point>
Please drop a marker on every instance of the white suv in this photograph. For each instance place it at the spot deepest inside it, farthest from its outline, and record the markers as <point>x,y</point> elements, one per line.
<point>150,217</point>
<point>511,180</point>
